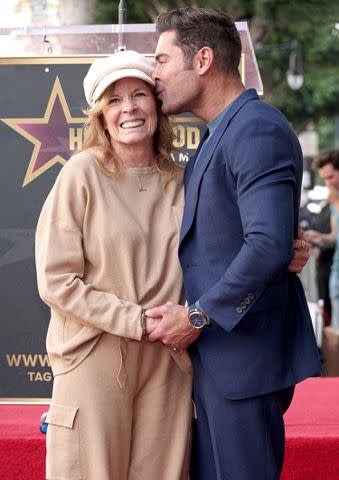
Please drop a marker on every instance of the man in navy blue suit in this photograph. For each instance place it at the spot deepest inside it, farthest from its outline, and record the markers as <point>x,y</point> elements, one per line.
<point>247,326</point>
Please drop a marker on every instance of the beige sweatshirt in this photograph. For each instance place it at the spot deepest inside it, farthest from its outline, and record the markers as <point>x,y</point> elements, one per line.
<point>104,250</point>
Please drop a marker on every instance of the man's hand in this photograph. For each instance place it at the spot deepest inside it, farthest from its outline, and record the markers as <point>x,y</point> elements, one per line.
<point>152,324</point>
<point>302,253</point>
<point>174,329</point>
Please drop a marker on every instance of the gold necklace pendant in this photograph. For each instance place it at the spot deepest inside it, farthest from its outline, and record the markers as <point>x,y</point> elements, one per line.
<point>141,188</point>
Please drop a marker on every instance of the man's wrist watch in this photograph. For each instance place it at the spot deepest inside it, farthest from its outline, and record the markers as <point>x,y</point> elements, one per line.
<point>197,318</point>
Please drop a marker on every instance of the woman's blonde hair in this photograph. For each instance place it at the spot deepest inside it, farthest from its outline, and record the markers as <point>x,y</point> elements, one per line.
<point>98,138</point>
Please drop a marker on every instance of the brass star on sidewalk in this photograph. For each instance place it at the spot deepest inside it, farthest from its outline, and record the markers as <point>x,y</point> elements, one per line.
<point>50,134</point>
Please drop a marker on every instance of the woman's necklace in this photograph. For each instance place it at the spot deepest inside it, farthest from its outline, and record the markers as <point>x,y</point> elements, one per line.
<point>141,187</point>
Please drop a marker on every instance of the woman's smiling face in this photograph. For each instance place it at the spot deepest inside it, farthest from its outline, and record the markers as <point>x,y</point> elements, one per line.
<point>130,116</point>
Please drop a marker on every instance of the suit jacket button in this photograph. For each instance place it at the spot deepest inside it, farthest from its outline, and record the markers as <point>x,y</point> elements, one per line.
<point>247,301</point>
<point>243,305</point>
<point>251,296</point>
<point>239,310</point>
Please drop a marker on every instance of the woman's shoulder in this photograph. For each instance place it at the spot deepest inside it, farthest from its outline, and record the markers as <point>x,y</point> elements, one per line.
<point>80,165</point>
<point>174,183</point>
<point>82,161</point>
<point>179,173</point>
<point>77,172</point>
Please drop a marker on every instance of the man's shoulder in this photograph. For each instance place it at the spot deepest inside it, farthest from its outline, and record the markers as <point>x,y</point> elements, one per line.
<point>257,116</point>
<point>261,109</point>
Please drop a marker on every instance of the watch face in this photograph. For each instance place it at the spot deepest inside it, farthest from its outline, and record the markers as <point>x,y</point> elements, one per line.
<point>197,320</point>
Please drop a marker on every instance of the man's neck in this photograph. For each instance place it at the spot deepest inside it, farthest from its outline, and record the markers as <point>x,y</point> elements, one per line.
<point>215,97</point>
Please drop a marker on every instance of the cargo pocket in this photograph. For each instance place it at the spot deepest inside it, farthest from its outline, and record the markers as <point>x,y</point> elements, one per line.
<point>63,460</point>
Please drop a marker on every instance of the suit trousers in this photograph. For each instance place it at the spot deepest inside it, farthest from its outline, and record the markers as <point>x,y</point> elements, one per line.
<point>124,413</point>
<point>236,439</point>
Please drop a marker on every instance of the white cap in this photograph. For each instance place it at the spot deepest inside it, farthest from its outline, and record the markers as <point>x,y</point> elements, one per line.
<point>105,71</point>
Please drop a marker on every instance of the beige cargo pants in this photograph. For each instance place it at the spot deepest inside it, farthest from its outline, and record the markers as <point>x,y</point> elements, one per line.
<point>124,413</point>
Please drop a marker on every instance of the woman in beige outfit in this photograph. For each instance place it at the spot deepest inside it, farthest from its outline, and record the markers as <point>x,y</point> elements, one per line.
<point>106,249</point>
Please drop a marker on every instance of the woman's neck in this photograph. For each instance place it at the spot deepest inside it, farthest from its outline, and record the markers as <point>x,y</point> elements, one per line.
<point>134,155</point>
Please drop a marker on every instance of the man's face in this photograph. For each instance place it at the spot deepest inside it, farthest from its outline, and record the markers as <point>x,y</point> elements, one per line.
<point>330,176</point>
<point>177,87</point>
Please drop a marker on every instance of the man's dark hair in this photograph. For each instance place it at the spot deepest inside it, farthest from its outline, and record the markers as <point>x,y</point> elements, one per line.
<point>204,27</point>
<point>326,157</point>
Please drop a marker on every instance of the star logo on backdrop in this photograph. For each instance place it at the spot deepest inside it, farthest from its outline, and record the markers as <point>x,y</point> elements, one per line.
<point>49,134</point>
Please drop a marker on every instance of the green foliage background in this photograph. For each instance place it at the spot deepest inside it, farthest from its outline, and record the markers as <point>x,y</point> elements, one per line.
<point>274,23</point>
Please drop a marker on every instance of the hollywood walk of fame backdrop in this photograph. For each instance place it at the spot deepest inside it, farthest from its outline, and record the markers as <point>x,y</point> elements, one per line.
<point>41,122</point>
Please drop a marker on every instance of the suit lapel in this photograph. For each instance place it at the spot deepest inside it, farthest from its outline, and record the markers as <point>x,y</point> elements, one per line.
<point>191,164</point>
<point>192,181</point>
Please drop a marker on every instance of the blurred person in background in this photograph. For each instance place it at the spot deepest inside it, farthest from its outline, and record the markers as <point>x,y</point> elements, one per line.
<point>327,163</point>
<point>324,259</point>
<point>315,214</point>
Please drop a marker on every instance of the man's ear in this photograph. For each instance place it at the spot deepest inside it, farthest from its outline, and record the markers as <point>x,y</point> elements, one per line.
<point>204,59</point>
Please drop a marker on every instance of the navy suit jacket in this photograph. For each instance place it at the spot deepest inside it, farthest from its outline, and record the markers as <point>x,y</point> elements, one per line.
<point>240,219</point>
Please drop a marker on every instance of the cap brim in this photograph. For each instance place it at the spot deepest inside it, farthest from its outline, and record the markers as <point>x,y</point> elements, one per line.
<point>118,75</point>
